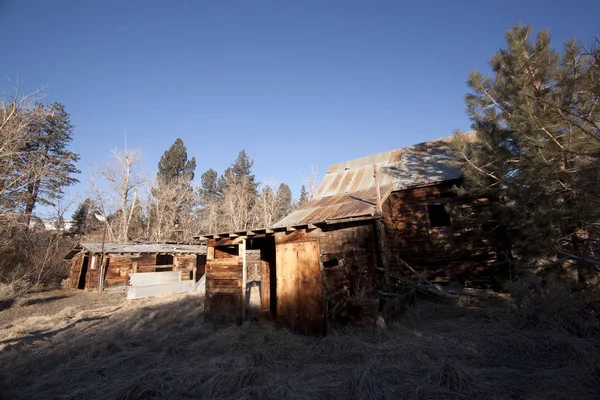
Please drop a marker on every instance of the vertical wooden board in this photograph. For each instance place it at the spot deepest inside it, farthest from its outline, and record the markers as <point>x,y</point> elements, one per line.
<point>310,295</point>
<point>292,285</point>
<point>299,292</point>
<point>281,292</point>
<point>265,285</point>
<point>224,289</point>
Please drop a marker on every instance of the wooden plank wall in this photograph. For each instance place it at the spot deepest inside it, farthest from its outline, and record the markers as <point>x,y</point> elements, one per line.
<point>120,265</point>
<point>349,258</point>
<point>458,252</point>
<point>186,264</point>
<point>75,271</point>
<point>91,278</point>
<point>224,295</point>
<point>299,286</point>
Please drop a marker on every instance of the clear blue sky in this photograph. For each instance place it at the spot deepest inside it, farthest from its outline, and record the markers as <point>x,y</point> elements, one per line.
<point>292,83</point>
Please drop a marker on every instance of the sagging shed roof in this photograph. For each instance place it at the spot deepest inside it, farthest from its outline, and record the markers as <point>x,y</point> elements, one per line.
<point>348,189</point>
<point>117,248</point>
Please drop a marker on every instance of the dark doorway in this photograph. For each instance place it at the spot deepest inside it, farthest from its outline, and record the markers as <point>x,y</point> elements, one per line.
<point>83,273</point>
<point>200,265</point>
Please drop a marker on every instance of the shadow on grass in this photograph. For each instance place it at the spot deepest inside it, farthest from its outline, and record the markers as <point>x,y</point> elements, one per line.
<point>6,304</point>
<point>163,349</point>
<point>41,300</point>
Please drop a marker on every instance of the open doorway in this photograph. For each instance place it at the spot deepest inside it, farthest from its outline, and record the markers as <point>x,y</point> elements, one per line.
<point>83,272</point>
<point>265,277</point>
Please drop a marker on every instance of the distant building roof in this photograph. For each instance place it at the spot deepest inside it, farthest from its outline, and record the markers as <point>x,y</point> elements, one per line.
<point>348,189</point>
<point>137,248</point>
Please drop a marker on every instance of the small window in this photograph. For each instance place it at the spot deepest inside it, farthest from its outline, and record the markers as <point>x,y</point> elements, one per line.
<point>438,216</point>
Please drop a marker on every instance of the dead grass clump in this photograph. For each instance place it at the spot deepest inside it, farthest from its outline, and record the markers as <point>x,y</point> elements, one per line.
<point>549,305</point>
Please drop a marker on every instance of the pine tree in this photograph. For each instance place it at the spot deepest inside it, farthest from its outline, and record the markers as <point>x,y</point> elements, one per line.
<point>83,218</point>
<point>209,184</point>
<point>283,202</point>
<point>174,163</point>
<point>538,145</point>
<point>173,195</point>
<point>303,197</point>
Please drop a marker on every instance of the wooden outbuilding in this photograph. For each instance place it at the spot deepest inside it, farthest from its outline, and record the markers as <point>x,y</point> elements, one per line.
<point>117,261</point>
<point>333,257</point>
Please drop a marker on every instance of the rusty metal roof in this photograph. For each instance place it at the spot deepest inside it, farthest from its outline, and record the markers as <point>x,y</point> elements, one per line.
<point>361,203</point>
<point>411,166</point>
<point>348,189</point>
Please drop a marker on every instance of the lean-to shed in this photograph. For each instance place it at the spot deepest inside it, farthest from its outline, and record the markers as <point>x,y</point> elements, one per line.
<point>119,260</point>
<point>331,258</point>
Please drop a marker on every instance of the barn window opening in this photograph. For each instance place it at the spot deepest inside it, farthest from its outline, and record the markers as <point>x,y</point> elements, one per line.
<point>164,259</point>
<point>226,251</point>
<point>438,216</point>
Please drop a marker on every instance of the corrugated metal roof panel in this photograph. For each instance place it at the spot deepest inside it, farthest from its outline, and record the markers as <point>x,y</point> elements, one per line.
<point>344,205</point>
<point>414,165</point>
<point>349,189</point>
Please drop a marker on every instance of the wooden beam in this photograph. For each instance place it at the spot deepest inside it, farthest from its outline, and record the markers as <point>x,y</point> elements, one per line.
<point>376,175</point>
<point>242,253</point>
<point>290,229</point>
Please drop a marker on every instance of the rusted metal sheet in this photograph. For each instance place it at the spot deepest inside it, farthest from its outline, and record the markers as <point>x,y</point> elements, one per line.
<point>402,168</point>
<point>348,189</point>
<point>362,203</point>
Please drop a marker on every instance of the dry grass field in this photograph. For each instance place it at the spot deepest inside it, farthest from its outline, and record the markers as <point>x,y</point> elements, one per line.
<point>75,345</point>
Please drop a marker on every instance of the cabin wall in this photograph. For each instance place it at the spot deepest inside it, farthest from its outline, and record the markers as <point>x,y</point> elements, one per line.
<point>75,271</point>
<point>91,277</point>
<point>224,282</point>
<point>299,285</point>
<point>120,265</point>
<point>417,232</point>
<point>349,258</point>
<point>186,264</point>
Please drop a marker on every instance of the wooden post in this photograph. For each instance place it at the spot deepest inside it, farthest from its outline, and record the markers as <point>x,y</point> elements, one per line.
<point>242,253</point>
<point>376,175</point>
<point>194,274</point>
<point>381,231</point>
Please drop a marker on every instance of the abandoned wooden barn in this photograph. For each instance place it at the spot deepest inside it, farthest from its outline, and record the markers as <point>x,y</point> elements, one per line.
<point>333,257</point>
<point>119,260</point>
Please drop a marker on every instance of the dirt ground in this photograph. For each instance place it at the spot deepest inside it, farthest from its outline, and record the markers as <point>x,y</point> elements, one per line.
<point>52,302</point>
<point>76,345</point>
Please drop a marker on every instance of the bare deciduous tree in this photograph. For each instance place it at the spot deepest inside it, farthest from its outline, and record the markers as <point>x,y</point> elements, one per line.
<point>17,115</point>
<point>125,181</point>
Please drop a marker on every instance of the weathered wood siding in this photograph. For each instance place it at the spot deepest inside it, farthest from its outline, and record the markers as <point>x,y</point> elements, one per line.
<point>75,271</point>
<point>224,296</point>
<point>120,265</point>
<point>299,286</point>
<point>186,264</point>
<point>459,251</point>
<point>91,278</point>
<point>349,259</point>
